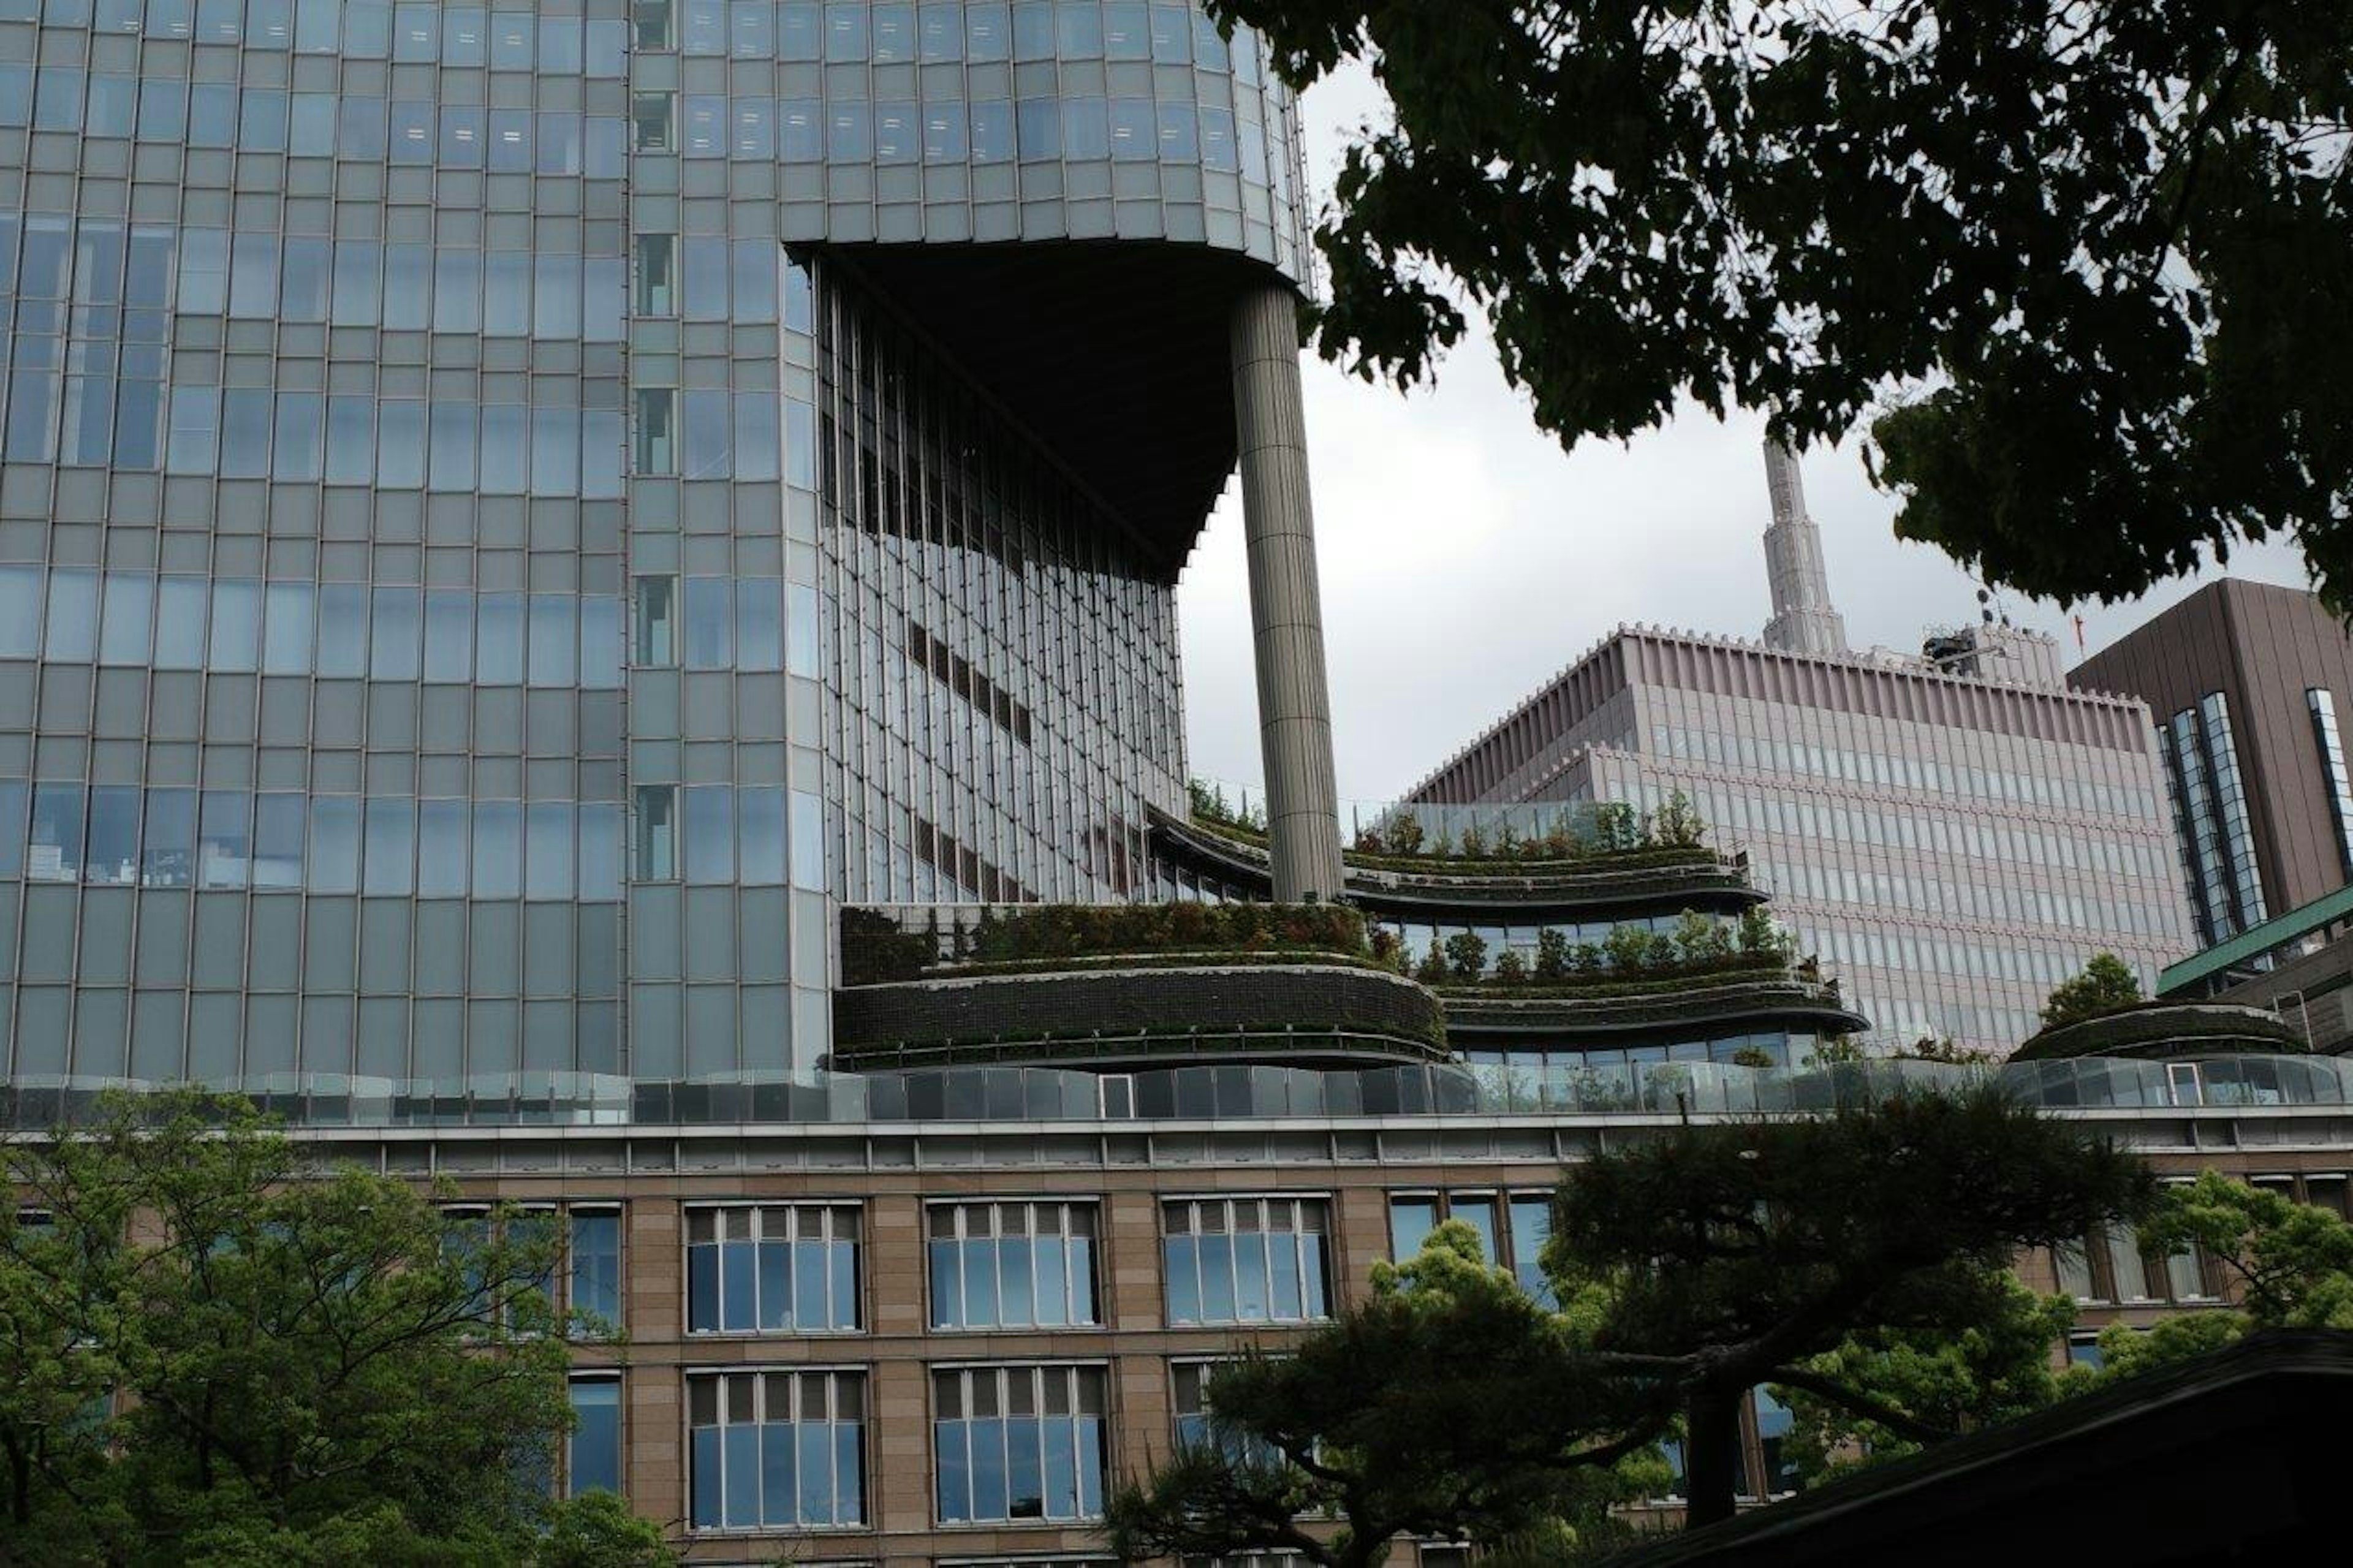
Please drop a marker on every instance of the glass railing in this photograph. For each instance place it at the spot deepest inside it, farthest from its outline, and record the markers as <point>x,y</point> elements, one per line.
<point>1581,825</point>
<point>992,1094</point>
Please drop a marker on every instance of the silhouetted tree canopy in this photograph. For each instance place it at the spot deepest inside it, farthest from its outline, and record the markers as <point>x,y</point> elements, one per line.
<point>2079,266</point>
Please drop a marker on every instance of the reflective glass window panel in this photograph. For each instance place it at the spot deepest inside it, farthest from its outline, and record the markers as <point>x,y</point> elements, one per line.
<point>593,1460</point>
<point>277,841</point>
<point>775,1450</point>
<point>594,1260</point>
<point>285,628</point>
<point>1411,1220</point>
<point>498,849</point>
<point>167,854</point>
<point>1019,1443</point>
<point>391,847</point>
<point>113,854</point>
<point>224,839</point>
<point>710,834</point>
<point>772,1268</point>
<point>1246,1259</point>
<point>443,837</point>
<point>1011,1265</point>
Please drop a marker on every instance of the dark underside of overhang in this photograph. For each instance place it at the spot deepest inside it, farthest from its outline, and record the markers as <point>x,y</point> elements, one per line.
<point>1112,353</point>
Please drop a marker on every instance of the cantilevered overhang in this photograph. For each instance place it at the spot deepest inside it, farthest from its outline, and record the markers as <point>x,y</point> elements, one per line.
<point>1112,353</point>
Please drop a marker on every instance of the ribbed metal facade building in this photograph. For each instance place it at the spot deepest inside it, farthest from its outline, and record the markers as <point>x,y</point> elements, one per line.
<point>1952,846</point>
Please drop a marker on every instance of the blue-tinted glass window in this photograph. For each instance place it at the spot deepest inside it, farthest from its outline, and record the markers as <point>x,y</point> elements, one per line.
<point>595,1264</point>
<point>1086,131</point>
<point>498,849</point>
<point>1531,1225</point>
<point>777,1449</point>
<point>775,1268</point>
<point>1039,121</point>
<point>167,854</point>
<point>1411,1220</point>
<point>1011,1265</point>
<point>1019,1443</point>
<point>710,828</point>
<point>390,847</point>
<point>991,133</point>
<point>277,841</point>
<point>1246,1259</point>
<point>443,837</point>
<point>760,814</point>
<point>594,1459</point>
<point>113,855</point>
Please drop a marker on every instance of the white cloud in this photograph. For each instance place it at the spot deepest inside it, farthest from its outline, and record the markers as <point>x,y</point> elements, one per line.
<point>1465,557</point>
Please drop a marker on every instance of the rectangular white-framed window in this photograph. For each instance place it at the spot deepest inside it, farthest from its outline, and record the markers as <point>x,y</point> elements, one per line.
<point>1011,1264</point>
<point>1247,1259</point>
<point>772,1268</point>
<point>1020,1442</point>
<point>777,1449</point>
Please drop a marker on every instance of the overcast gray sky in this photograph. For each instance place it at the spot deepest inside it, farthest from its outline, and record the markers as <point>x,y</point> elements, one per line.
<point>1465,557</point>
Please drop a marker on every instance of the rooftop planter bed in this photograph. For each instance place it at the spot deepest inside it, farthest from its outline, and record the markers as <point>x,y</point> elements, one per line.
<point>1290,1013</point>
<point>2158,1031</point>
<point>877,948</point>
<point>1598,878</point>
<point>1704,999</point>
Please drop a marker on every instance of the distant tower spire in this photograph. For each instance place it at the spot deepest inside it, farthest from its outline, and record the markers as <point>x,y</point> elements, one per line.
<point>1804,620</point>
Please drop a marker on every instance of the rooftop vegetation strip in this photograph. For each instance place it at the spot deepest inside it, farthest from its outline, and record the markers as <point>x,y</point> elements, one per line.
<point>2161,1030</point>
<point>1399,839</point>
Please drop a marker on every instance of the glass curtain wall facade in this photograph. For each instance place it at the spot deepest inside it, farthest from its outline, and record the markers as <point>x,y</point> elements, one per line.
<point>480,583</point>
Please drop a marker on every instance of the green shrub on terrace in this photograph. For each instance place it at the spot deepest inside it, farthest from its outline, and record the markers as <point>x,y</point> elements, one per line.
<point>1466,957</point>
<point>1698,946</point>
<point>1079,930</point>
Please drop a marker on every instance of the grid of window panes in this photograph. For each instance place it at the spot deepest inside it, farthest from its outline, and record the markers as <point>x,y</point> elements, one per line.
<point>1246,1260</point>
<point>367,368</point>
<point>772,1269</point>
<point>1019,1443</point>
<point>1009,698</point>
<point>775,1450</point>
<point>1011,1265</point>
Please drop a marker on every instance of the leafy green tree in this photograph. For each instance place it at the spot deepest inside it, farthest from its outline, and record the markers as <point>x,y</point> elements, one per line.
<point>1991,1370</point>
<point>1758,934</point>
<point>1689,1269</point>
<point>1552,948</point>
<point>1466,957</point>
<point>1677,823</point>
<point>219,1348</point>
<point>1701,939</point>
<point>2107,984</point>
<point>1629,951</point>
<point>1448,1403</point>
<point>1432,970</point>
<point>1738,1253</point>
<point>2286,1265</point>
<point>2087,258</point>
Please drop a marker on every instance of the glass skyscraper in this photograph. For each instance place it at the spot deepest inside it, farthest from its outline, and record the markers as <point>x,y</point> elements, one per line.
<point>510,516</point>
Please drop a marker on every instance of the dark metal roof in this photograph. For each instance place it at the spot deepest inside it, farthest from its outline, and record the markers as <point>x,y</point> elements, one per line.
<point>2225,1459</point>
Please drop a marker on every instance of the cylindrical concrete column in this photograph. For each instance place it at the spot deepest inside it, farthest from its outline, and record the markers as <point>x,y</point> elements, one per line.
<point>1295,705</point>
